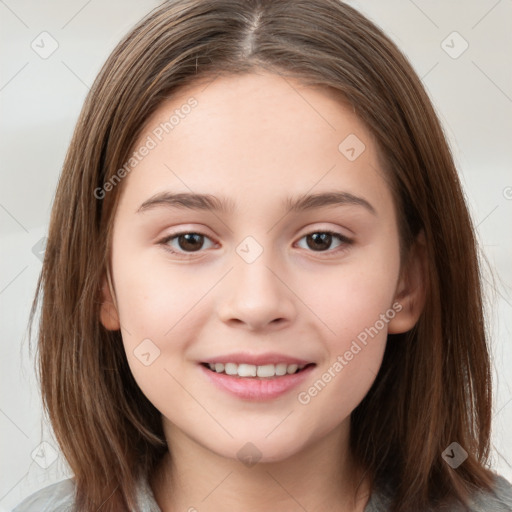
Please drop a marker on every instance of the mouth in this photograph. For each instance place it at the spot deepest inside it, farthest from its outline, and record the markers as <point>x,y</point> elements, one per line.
<point>257,383</point>
<point>251,371</point>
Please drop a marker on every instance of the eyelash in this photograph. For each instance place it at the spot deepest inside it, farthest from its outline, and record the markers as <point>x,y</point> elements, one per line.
<point>187,255</point>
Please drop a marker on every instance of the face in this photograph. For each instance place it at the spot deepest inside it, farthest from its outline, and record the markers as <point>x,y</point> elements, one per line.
<point>256,275</point>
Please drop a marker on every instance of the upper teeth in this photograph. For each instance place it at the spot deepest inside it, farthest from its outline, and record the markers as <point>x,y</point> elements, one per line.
<point>251,370</point>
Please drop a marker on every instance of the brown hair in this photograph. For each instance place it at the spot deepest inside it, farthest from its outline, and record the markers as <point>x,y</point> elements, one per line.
<point>434,384</point>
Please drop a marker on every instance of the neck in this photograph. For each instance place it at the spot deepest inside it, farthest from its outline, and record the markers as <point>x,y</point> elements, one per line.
<point>322,476</point>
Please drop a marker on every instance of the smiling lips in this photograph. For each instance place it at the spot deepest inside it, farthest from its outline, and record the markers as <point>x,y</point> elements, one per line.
<point>251,370</point>
<point>256,377</point>
<point>249,365</point>
<point>254,387</point>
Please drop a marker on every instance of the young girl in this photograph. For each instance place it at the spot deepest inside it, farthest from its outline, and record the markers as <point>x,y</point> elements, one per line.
<point>260,289</point>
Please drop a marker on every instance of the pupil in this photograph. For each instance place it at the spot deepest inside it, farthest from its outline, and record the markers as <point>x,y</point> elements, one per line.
<point>191,240</point>
<point>323,238</point>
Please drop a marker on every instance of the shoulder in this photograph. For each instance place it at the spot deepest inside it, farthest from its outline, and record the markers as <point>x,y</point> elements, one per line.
<point>497,500</point>
<point>60,497</point>
<point>57,497</point>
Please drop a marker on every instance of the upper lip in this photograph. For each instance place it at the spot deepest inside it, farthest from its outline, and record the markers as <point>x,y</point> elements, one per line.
<point>256,359</point>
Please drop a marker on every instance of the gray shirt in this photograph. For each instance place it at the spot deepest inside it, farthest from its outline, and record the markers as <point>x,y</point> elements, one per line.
<point>59,498</point>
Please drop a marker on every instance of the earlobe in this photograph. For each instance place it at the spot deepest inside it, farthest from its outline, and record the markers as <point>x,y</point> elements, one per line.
<point>411,289</point>
<point>109,315</point>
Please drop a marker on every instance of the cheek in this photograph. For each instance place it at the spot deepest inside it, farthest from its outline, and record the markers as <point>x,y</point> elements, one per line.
<point>340,386</point>
<point>155,312</point>
<point>153,297</point>
<point>352,297</point>
<point>357,309</point>
<point>355,304</point>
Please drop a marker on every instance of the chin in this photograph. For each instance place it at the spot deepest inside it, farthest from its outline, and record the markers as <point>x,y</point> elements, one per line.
<point>251,449</point>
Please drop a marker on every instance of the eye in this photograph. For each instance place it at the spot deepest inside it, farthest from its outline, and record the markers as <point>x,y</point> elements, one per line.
<point>320,241</point>
<point>186,242</point>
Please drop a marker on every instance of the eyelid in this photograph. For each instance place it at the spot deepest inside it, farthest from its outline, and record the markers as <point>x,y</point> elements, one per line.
<point>345,243</point>
<point>170,236</point>
<point>344,240</point>
<point>338,230</point>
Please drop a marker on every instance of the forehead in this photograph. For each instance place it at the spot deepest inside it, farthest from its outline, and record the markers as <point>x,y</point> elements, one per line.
<point>254,134</point>
<point>262,104</point>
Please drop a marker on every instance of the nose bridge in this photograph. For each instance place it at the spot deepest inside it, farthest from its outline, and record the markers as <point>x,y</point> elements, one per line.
<point>254,292</point>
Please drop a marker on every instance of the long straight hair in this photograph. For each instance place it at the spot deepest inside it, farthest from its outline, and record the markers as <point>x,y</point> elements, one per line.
<point>433,387</point>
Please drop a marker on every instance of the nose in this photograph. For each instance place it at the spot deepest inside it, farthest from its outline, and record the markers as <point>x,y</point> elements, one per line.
<point>256,296</point>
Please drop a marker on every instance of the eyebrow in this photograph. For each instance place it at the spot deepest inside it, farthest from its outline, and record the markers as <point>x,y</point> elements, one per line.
<point>208,202</point>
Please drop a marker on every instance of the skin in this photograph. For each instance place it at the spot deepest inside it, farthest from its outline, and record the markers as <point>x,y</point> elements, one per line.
<point>255,139</point>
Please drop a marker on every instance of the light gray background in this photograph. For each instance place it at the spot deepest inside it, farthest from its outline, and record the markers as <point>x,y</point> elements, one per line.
<point>40,100</point>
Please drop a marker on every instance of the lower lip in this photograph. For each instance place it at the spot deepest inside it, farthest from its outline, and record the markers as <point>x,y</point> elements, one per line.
<point>254,388</point>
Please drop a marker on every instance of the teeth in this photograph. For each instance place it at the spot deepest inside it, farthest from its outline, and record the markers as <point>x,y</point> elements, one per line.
<point>291,369</point>
<point>247,370</point>
<point>251,370</point>
<point>268,370</point>
<point>231,368</point>
<point>281,368</point>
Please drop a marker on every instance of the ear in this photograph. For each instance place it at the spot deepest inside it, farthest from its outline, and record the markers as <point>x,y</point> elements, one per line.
<point>411,288</point>
<point>109,315</point>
